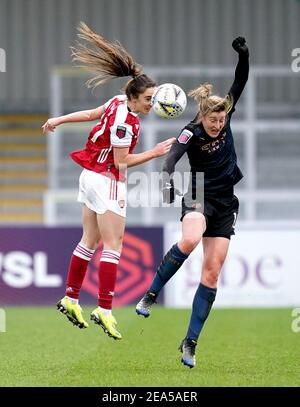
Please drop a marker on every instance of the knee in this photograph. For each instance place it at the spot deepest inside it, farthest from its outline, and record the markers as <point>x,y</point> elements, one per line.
<point>210,273</point>
<point>188,244</point>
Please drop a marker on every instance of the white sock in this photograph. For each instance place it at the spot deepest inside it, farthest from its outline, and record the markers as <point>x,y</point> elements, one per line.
<point>105,311</point>
<point>73,300</point>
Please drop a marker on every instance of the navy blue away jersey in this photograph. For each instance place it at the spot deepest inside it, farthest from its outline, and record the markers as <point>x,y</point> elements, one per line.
<point>214,156</point>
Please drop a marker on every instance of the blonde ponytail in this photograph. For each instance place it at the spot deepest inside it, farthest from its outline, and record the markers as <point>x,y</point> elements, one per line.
<point>204,91</point>
<point>208,102</point>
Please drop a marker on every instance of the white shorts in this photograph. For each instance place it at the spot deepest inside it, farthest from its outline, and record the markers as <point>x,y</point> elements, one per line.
<point>101,194</point>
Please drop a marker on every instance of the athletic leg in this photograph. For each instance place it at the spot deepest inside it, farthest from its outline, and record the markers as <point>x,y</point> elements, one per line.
<point>78,266</point>
<point>215,250</point>
<point>111,227</point>
<point>83,252</point>
<point>193,227</point>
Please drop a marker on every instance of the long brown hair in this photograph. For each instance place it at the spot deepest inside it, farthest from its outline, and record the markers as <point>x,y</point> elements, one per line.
<point>108,60</point>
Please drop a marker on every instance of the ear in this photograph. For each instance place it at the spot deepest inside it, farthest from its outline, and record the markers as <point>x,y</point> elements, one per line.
<point>199,118</point>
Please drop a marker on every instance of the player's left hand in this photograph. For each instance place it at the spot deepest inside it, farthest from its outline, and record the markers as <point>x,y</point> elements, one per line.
<point>240,46</point>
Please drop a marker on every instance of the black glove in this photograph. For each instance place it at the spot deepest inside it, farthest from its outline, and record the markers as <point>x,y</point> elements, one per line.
<point>169,192</point>
<point>240,46</point>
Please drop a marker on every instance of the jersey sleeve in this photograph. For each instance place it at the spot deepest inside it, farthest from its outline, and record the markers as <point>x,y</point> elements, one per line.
<point>121,135</point>
<point>240,80</point>
<point>106,104</point>
<point>177,150</point>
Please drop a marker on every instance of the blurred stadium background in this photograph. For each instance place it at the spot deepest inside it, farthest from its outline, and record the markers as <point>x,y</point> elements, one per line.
<point>182,41</point>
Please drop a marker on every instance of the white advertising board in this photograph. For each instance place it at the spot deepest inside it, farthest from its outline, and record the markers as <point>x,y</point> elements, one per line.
<point>262,269</point>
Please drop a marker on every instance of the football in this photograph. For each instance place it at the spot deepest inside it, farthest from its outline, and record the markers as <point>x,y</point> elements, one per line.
<point>169,101</point>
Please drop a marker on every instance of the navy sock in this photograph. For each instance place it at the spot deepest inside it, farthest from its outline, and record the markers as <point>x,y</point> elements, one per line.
<point>168,267</point>
<point>202,303</point>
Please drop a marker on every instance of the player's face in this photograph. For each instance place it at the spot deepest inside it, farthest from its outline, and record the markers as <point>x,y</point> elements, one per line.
<point>142,104</point>
<point>213,123</point>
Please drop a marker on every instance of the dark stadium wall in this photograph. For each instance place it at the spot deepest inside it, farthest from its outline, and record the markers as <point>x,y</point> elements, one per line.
<point>37,35</point>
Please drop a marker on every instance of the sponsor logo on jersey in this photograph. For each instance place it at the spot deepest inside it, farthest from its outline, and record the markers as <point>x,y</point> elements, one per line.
<point>215,145</point>
<point>185,136</point>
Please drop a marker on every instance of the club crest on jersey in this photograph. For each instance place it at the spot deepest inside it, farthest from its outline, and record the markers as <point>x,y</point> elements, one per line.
<point>121,131</point>
<point>185,136</point>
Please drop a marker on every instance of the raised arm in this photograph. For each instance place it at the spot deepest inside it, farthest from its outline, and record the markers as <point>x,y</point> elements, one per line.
<point>241,70</point>
<point>81,116</point>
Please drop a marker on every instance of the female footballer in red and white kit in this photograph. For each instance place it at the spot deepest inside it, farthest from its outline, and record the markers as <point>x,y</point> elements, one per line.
<point>107,154</point>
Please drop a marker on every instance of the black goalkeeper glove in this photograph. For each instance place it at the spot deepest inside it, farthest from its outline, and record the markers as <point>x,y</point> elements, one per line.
<point>169,192</point>
<point>240,46</point>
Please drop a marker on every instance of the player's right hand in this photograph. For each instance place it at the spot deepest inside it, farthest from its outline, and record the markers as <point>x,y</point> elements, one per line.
<point>169,192</point>
<point>50,125</point>
<point>164,147</point>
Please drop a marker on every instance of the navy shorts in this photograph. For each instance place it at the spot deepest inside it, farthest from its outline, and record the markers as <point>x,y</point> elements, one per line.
<point>220,214</point>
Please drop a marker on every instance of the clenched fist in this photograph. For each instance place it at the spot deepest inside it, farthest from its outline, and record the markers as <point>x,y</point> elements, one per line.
<point>240,46</point>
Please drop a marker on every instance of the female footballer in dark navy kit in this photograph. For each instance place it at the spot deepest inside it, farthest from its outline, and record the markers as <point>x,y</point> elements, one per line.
<point>208,142</point>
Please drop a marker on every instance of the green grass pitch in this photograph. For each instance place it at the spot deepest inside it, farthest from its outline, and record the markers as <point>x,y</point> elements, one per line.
<point>249,347</point>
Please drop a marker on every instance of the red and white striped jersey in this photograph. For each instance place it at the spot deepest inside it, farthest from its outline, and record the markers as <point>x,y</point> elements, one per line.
<point>118,128</point>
